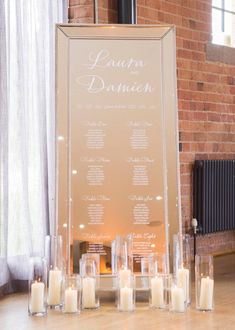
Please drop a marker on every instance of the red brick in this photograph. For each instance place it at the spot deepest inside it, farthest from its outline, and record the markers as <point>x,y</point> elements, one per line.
<point>83,11</point>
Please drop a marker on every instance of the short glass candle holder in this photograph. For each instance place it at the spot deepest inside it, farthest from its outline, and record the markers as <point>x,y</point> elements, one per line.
<point>160,289</point>
<point>54,257</point>
<point>126,296</point>
<point>204,282</point>
<point>71,294</point>
<point>37,305</point>
<point>90,285</point>
<point>178,303</point>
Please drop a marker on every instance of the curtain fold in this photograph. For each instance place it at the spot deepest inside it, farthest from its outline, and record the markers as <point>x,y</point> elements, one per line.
<point>27,34</point>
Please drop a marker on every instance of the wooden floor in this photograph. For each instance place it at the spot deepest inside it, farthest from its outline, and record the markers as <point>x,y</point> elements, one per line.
<point>13,312</point>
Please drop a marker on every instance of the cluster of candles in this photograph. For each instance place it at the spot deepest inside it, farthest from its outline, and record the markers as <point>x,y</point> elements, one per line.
<point>50,288</point>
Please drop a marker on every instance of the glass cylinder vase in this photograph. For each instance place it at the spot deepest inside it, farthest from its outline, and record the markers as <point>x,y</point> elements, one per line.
<point>37,305</point>
<point>126,296</point>
<point>71,294</point>
<point>55,264</point>
<point>176,253</point>
<point>157,263</point>
<point>204,282</point>
<point>122,253</point>
<point>160,288</point>
<point>91,256</point>
<point>177,302</point>
<point>182,264</point>
<point>90,297</point>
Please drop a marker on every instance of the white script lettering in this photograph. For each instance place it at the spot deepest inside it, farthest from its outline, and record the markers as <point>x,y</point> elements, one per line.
<point>96,84</point>
<point>103,60</point>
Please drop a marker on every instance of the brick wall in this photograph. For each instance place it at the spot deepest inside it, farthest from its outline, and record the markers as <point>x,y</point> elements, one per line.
<point>206,91</point>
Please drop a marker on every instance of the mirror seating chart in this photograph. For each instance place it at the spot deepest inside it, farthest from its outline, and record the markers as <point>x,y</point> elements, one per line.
<point>117,143</point>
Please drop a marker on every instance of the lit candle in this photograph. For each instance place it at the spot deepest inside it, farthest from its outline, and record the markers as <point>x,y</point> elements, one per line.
<point>70,301</point>
<point>183,282</point>
<point>54,290</point>
<point>157,292</point>
<point>177,299</point>
<point>126,299</point>
<point>37,297</point>
<point>124,278</point>
<point>206,294</point>
<point>88,292</point>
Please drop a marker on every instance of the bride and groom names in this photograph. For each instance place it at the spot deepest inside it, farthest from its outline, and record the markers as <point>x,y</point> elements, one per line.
<point>102,59</point>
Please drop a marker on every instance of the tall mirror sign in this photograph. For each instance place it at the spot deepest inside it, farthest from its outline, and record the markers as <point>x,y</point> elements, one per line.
<point>117,156</point>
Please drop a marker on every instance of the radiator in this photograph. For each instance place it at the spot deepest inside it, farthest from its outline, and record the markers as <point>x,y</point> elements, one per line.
<point>214,195</point>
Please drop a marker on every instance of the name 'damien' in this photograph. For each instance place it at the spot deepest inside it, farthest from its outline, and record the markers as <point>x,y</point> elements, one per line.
<point>95,83</point>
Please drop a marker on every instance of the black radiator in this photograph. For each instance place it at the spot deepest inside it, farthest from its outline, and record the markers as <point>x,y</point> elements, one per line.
<point>214,195</point>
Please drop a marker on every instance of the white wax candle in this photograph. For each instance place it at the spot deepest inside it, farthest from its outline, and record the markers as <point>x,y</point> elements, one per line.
<point>88,292</point>
<point>124,278</point>
<point>37,297</point>
<point>126,299</point>
<point>54,290</point>
<point>206,294</point>
<point>157,292</point>
<point>177,299</point>
<point>183,282</point>
<point>70,300</point>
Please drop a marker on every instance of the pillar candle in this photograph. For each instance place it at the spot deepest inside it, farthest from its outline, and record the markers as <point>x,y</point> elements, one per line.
<point>54,290</point>
<point>157,292</point>
<point>126,299</point>
<point>124,278</point>
<point>88,292</point>
<point>206,294</point>
<point>70,300</point>
<point>177,299</point>
<point>37,297</point>
<point>183,281</point>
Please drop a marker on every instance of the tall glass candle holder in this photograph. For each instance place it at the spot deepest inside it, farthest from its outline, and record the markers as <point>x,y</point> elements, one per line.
<point>53,253</point>
<point>204,282</point>
<point>177,253</point>
<point>160,288</point>
<point>37,305</point>
<point>182,264</point>
<point>90,297</point>
<point>178,303</point>
<point>71,294</point>
<point>95,257</point>
<point>157,263</point>
<point>124,277</point>
<point>122,253</point>
<point>126,296</point>
<point>184,271</point>
<point>145,265</point>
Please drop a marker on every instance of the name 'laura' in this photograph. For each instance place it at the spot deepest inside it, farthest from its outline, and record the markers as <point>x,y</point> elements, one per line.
<point>102,59</point>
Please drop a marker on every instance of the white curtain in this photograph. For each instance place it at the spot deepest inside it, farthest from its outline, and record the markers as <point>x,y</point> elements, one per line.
<point>27,34</point>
